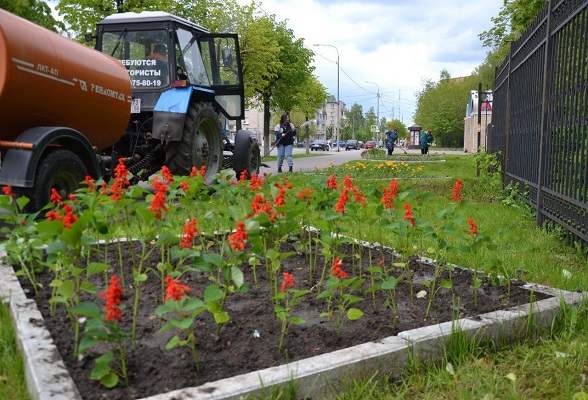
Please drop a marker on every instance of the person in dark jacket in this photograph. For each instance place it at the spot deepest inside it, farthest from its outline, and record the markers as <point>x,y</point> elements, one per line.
<point>285,133</point>
<point>391,138</point>
<point>425,141</point>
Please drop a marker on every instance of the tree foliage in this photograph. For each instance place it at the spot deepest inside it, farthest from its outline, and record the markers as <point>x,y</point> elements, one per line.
<point>35,11</point>
<point>512,20</point>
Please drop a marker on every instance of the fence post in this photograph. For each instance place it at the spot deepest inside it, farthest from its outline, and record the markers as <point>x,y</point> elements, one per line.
<point>506,121</point>
<point>546,108</point>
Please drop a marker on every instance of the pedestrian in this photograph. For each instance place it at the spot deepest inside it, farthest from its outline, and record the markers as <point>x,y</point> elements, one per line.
<point>285,133</point>
<point>391,138</point>
<point>425,141</point>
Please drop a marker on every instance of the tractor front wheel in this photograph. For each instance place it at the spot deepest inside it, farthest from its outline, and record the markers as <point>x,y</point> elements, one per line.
<point>246,155</point>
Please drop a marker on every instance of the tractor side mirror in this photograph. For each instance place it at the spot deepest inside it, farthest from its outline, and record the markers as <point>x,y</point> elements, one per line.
<point>227,57</point>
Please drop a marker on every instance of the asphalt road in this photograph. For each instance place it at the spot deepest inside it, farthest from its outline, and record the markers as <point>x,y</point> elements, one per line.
<point>334,157</point>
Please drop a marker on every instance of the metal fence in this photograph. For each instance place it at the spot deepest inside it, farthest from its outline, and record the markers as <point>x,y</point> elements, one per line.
<point>540,116</point>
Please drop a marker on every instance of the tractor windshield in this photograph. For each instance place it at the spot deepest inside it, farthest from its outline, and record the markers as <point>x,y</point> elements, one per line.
<point>143,53</point>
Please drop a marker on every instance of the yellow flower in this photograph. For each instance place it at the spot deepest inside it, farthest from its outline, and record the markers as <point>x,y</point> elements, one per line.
<point>318,167</point>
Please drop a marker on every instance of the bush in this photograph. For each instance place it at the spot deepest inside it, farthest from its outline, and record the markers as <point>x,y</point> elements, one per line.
<point>373,154</point>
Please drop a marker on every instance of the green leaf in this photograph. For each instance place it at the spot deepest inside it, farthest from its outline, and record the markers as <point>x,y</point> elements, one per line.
<point>446,284</point>
<point>297,321</point>
<point>389,284</point>
<point>221,317</point>
<point>173,342</point>
<point>213,293</point>
<point>96,268</point>
<point>110,380</point>
<point>140,277</point>
<point>237,276</point>
<point>88,309</point>
<point>66,289</point>
<point>354,313</point>
<point>88,287</point>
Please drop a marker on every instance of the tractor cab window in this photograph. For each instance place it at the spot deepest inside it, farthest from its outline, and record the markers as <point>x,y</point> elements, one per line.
<point>190,59</point>
<point>144,54</point>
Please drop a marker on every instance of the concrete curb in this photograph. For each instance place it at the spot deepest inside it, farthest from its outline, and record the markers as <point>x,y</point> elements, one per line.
<point>322,376</point>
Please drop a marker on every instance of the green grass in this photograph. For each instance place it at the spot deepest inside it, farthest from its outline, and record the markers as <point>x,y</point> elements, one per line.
<point>12,377</point>
<point>553,366</point>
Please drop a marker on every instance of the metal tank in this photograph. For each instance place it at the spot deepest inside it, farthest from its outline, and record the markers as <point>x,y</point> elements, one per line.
<point>49,80</point>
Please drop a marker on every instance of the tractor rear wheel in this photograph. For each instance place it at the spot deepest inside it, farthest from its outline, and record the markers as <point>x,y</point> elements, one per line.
<point>246,155</point>
<point>201,143</point>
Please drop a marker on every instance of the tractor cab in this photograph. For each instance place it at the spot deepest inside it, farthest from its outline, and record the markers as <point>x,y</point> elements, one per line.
<point>162,51</point>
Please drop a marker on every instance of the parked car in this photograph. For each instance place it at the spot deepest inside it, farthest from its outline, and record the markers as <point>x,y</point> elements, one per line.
<point>301,144</point>
<point>370,144</point>
<point>360,144</point>
<point>342,143</point>
<point>320,145</point>
<point>352,144</point>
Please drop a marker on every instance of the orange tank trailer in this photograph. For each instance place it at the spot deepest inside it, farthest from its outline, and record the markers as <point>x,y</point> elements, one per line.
<point>49,80</point>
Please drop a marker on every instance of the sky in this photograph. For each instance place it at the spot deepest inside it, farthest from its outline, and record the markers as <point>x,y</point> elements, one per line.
<point>396,45</point>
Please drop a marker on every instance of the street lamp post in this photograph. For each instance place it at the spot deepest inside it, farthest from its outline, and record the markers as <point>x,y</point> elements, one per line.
<point>338,103</point>
<point>378,105</point>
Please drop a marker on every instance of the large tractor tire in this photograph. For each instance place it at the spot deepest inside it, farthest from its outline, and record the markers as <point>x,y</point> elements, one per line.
<point>201,144</point>
<point>246,155</point>
<point>59,169</point>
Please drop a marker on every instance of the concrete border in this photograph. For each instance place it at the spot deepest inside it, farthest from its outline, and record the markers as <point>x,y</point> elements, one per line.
<point>317,377</point>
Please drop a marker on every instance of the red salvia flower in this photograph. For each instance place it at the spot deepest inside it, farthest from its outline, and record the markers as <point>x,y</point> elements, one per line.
<point>348,182</point>
<point>456,191</point>
<point>174,289</point>
<point>184,186</point>
<point>473,227</point>
<point>103,188</point>
<point>306,194</point>
<point>71,197</point>
<point>343,199</point>
<point>390,194</point>
<point>90,183</point>
<point>193,172</point>
<point>53,216</point>
<point>7,190</point>
<point>243,176</point>
<point>69,217</point>
<point>158,201</point>
<point>120,180</point>
<point>167,175</point>
<point>112,295</point>
<point>280,199</point>
<point>408,214</point>
<point>337,272</point>
<point>255,183</point>
<point>359,198</point>
<point>332,182</point>
<point>237,239</point>
<point>55,197</point>
<point>288,281</point>
<point>190,231</point>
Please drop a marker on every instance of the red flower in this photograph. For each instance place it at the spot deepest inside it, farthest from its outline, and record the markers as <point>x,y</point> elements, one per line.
<point>243,176</point>
<point>53,216</point>
<point>112,295</point>
<point>174,289</point>
<point>158,201</point>
<point>184,186</point>
<point>473,227</point>
<point>288,281</point>
<point>71,197</point>
<point>255,183</point>
<point>337,271</point>
<point>237,239</point>
<point>332,182</point>
<point>90,183</point>
<point>55,197</point>
<point>195,171</point>
<point>343,199</point>
<point>390,194</point>
<point>456,191</point>
<point>305,194</point>
<point>190,231</point>
<point>8,191</point>
<point>69,217</point>
<point>120,181</point>
<point>167,175</point>
<point>408,214</point>
<point>103,188</point>
<point>280,199</point>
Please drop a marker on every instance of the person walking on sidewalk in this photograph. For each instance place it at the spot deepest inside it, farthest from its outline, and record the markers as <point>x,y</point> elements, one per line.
<point>285,133</point>
<point>425,141</point>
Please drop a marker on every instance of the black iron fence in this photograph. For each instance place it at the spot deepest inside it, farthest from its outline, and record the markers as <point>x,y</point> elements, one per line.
<point>540,116</point>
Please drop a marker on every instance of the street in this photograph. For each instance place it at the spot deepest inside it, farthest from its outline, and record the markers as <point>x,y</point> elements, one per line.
<point>334,157</point>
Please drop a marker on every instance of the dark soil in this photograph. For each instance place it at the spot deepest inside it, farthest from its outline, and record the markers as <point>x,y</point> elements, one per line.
<point>153,370</point>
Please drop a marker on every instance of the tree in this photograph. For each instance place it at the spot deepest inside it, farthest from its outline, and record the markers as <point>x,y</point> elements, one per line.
<point>35,11</point>
<point>512,20</point>
<point>354,122</point>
